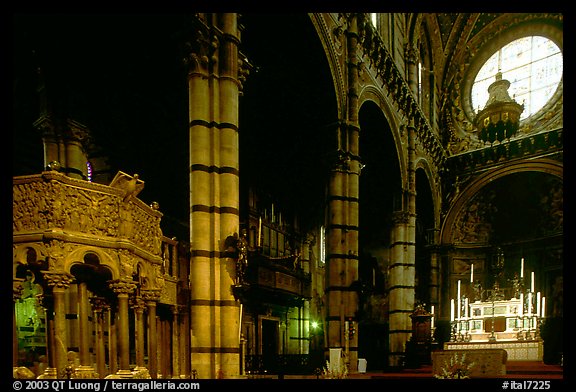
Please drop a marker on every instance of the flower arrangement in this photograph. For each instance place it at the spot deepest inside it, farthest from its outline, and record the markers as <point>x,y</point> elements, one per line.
<point>456,367</point>
<point>337,372</point>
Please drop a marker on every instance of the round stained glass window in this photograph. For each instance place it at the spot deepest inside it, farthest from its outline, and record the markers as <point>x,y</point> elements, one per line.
<point>533,66</point>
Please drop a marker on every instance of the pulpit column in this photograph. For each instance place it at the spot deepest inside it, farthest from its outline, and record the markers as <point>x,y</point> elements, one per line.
<point>59,282</point>
<point>85,370</point>
<point>138,305</point>
<point>175,342</point>
<point>16,295</point>
<point>99,305</point>
<point>123,288</point>
<point>151,297</point>
<point>48,304</point>
<point>112,340</point>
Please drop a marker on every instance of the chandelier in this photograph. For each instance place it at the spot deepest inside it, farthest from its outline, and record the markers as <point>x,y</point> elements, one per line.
<point>500,118</point>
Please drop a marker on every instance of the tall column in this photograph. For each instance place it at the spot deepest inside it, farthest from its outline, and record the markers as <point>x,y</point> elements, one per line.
<point>175,342</point>
<point>123,288</point>
<point>112,339</point>
<point>402,268</point>
<point>138,305</point>
<point>47,302</point>
<point>214,87</point>
<point>342,233</point>
<point>16,295</point>
<point>63,142</point>
<point>151,297</point>
<point>85,370</point>
<point>433,236</point>
<point>99,305</point>
<point>59,282</point>
<point>412,59</point>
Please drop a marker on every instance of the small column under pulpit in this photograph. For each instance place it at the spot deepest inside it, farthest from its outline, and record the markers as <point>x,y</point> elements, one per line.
<point>420,345</point>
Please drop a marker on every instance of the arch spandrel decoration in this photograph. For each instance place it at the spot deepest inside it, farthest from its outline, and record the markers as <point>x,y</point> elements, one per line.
<point>460,203</point>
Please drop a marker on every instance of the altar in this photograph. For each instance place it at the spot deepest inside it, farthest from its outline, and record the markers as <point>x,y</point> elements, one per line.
<point>499,319</point>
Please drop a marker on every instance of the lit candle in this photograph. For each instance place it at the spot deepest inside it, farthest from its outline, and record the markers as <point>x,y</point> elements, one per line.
<point>538,309</point>
<point>452,309</point>
<point>521,310</point>
<point>532,282</point>
<point>472,273</point>
<point>543,307</point>
<point>522,267</point>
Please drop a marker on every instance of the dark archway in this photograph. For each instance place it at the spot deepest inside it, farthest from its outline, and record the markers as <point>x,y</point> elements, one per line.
<point>380,196</point>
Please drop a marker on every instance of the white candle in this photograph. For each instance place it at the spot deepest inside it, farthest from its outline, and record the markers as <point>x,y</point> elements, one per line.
<point>466,307</point>
<point>543,307</point>
<point>522,267</point>
<point>538,309</point>
<point>521,310</point>
<point>532,282</point>
<point>458,302</point>
<point>260,231</point>
<point>529,304</point>
<point>472,273</point>
<point>432,319</point>
<point>452,309</point>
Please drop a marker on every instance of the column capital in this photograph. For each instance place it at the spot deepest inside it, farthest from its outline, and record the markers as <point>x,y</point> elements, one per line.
<point>400,217</point>
<point>99,304</point>
<point>150,295</point>
<point>58,279</point>
<point>122,286</point>
<point>138,304</point>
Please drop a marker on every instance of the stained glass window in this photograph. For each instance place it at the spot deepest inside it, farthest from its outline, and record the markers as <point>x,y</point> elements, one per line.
<point>533,66</point>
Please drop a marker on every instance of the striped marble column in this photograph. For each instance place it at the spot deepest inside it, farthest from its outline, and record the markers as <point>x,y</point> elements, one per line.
<point>402,267</point>
<point>342,233</point>
<point>214,193</point>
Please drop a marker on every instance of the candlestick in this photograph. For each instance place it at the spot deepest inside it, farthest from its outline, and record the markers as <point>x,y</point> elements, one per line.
<point>522,267</point>
<point>543,307</point>
<point>472,273</point>
<point>260,231</point>
<point>538,308</point>
<point>532,282</point>
<point>452,309</point>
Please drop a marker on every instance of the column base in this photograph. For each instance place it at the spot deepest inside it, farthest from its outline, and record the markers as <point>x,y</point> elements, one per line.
<point>22,372</point>
<point>49,372</point>
<point>85,372</point>
<point>140,372</point>
<point>121,374</point>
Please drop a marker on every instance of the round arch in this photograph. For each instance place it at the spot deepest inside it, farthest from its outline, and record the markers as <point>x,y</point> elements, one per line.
<point>371,93</point>
<point>543,165</point>
<point>424,165</point>
<point>332,55</point>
